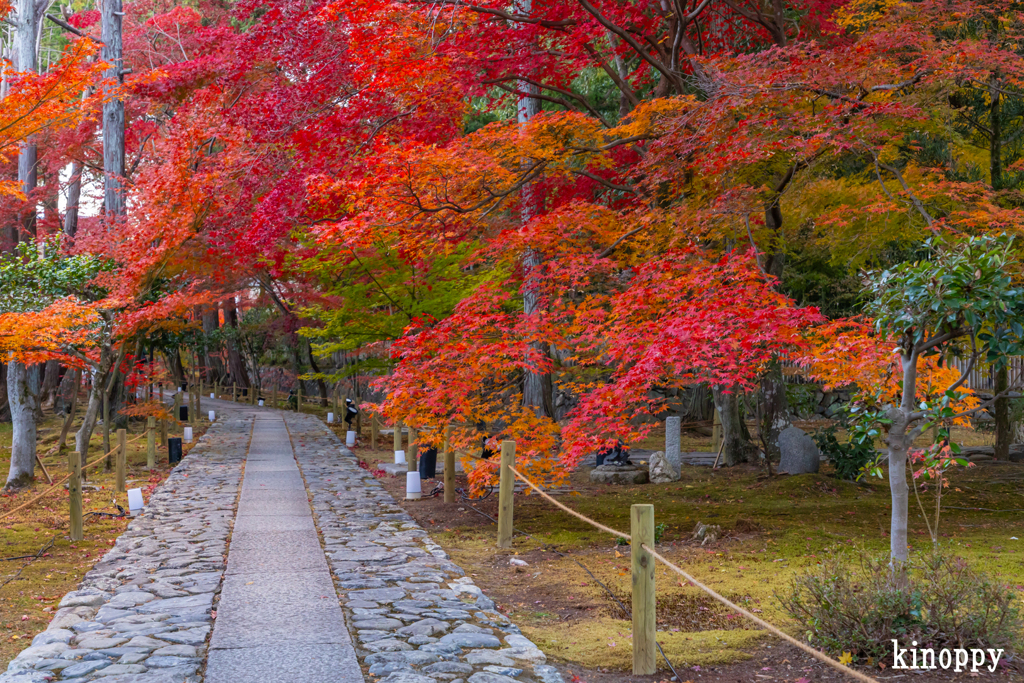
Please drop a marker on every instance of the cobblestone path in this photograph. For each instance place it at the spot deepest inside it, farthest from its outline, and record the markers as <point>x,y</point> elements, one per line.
<point>326,579</point>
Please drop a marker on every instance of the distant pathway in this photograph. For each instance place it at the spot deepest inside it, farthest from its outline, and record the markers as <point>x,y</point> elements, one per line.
<point>326,579</point>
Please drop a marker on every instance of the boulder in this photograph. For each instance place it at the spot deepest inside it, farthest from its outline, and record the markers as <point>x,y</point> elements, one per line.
<point>661,468</point>
<point>623,475</point>
<point>800,455</point>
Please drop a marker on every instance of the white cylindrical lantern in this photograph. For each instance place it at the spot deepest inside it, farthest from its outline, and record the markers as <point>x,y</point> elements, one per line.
<point>213,416</point>
<point>400,457</point>
<point>350,438</point>
<point>330,419</point>
<point>261,402</point>
<point>212,395</point>
<point>412,486</point>
<point>187,436</point>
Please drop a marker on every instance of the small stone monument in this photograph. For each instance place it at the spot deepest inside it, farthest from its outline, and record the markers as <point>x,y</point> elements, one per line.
<point>661,468</point>
<point>673,435</point>
<point>800,455</point>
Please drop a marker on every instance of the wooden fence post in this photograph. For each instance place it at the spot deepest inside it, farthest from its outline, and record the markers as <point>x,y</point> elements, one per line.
<point>449,466</point>
<point>163,433</point>
<point>177,405</point>
<point>506,485</point>
<point>273,396</point>
<point>398,435</point>
<point>298,396</point>
<point>122,459</point>
<point>234,392</point>
<point>373,432</point>
<point>151,442</point>
<point>641,518</point>
<point>75,495</point>
<point>716,431</point>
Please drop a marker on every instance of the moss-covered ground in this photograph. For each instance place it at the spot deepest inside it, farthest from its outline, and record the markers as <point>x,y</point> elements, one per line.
<point>773,528</point>
<point>31,587</point>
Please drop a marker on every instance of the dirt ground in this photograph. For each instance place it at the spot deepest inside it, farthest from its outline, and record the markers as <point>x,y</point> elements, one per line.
<point>565,598</point>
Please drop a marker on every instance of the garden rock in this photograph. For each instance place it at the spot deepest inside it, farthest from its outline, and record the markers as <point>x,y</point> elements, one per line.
<point>620,475</point>
<point>800,455</point>
<point>662,469</point>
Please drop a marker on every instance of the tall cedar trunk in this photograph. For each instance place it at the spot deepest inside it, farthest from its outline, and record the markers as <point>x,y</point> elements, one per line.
<point>537,387</point>
<point>74,197</point>
<point>100,377</point>
<point>211,323</point>
<point>22,381</point>
<point>113,113</point>
<point>1002,379</point>
<point>23,390</point>
<point>736,445</point>
<point>236,367</point>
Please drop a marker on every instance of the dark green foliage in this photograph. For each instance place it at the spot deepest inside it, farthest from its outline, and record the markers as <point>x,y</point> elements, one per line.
<point>861,605</point>
<point>847,458</point>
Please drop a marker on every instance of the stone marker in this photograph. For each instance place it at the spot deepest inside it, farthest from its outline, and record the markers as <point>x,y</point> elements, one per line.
<point>800,455</point>
<point>673,430</point>
<point>662,469</point>
<point>623,475</point>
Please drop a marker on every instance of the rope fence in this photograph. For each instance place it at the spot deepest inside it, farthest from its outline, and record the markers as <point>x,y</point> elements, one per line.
<point>820,656</point>
<point>57,484</point>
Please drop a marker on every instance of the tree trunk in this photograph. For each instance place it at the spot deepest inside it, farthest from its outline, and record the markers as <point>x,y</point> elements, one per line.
<point>48,389</point>
<point>900,440</point>
<point>74,197</point>
<point>99,385</point>
<point>5,406</point>
<point>70,419</point>
<point>736,445</point>
<point>236,367</point>
<point>27,161</point>
<point>173,360</point>
<point>211,323</point>
<point>113,113</point>
<point>773,410</point>
<point>321,387</point>
<point>23,393</point>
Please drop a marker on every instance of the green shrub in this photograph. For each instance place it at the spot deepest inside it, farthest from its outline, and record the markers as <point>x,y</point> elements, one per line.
<point>847,458</point>
<point>860,606</point>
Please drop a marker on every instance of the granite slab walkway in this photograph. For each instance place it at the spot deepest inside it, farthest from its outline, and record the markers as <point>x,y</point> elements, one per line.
<point>269,555</point>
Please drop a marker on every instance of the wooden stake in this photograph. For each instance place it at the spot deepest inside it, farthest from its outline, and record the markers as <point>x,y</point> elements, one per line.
<point>449,467</point>
<point>641,519</point>
<point>298,396</point>
<point>177,405</point>
<point>163,433</point>
<point>75,494</point>
<point>234,392</point>
<point>273,396</point>
<point>720,449</point>
<point>373,432</point>
<point>398,435</point>
<point>122,459</point>
<point>39,461</point>
<point>506,485</point>
<point>151,442</point>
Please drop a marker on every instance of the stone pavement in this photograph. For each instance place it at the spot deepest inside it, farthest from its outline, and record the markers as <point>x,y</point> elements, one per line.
<point>326,579</point>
